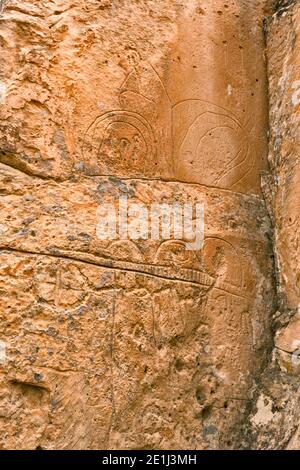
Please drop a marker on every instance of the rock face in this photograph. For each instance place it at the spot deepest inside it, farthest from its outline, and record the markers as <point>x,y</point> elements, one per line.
<point>276,416</point>
<point>140,344</point>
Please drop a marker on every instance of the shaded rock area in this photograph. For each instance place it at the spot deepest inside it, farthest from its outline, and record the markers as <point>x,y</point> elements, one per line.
<point>276,417</point>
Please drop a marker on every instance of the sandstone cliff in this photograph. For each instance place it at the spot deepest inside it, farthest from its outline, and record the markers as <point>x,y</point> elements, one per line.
<point>142,344</point>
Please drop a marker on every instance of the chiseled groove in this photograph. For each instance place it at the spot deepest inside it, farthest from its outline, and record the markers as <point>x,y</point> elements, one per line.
<point>203,280</point>
<point>25,172</point>
<point>170,180</point>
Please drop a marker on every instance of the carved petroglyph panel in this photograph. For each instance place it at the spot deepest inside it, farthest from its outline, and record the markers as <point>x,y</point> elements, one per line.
<point>206,108</point>
<point>210,145</point>
<point>121,140</point>
<point>105,105</point>
<point>217,85</point>
<point>76,378</point>
<point>61,65</point>
<point>130,343</point>
<point>151,338</point>
<point>200,143</point>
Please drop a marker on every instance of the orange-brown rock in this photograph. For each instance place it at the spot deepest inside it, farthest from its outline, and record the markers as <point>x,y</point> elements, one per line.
<point>276,415</point>
<point>139,344</point>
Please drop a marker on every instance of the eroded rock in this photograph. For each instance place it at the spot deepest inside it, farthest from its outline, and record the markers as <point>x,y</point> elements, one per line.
<point>136,343</point>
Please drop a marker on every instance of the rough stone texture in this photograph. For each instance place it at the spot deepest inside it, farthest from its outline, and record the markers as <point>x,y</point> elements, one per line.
<point>143,329</point>
<point>276,416</point>
<point>143,344</point>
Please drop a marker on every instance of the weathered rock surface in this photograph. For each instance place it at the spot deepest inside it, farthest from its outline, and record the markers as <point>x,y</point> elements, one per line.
<point>141,343</point>
<point>276,417</point>
<point>149,328</point>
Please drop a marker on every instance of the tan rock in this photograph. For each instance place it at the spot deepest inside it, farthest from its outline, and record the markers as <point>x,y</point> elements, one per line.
<point>284,68</point>
<point>133,344</point>
<point>280,379</point>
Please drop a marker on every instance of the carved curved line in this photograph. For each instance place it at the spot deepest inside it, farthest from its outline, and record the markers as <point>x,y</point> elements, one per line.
<point>223,241</point>
<point>137,94</point>
<point>235,167</point>
<point>243,160</point>
<point>189,127</point>
<point>209,130</point>
<point>121,122</point>
<point>238,155</point>
<point>247,123</point>
<point>132,72</point>
<point>89,127</point>
<point>231,115</point>
<point>224,172</point>
<point>171,242</point>
<point>245,174</point>
<point>113,116</point>
<point>161,82</point>
<point>93,135</point>
<point>234,249</point>
<point>124,112</point>
<point>129,243</point>
<point>141,119</point>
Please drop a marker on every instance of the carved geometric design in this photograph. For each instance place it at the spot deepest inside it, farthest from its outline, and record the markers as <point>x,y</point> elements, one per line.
<point>118,140</point>
<point>210,144</point>
<point>189,141</point>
